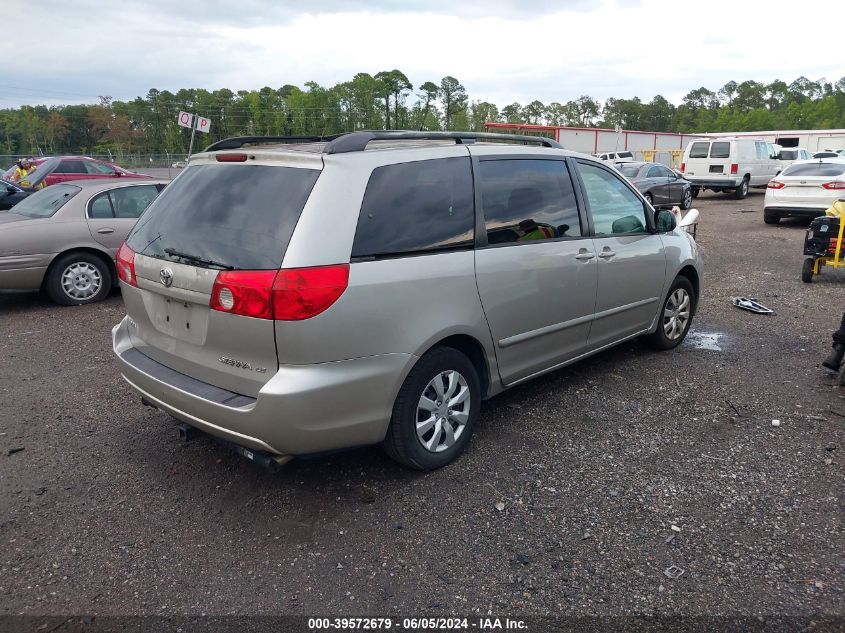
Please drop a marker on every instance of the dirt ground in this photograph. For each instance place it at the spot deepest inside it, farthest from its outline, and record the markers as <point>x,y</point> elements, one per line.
<point>609,472</point>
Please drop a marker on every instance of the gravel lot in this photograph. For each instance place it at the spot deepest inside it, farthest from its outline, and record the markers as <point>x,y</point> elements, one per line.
<point>105,512</point>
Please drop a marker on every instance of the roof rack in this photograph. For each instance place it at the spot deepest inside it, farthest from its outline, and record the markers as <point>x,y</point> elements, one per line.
<point>236,142</point>
<point>358,141</point>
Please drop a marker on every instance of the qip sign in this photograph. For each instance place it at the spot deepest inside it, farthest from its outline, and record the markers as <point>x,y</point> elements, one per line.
<point>194,122</point>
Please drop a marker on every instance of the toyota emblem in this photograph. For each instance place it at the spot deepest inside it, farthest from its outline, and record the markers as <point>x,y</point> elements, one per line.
<point>166,277</point>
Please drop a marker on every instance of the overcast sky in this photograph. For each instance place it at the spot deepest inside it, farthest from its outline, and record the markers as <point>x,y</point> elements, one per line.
<point>57,51</point>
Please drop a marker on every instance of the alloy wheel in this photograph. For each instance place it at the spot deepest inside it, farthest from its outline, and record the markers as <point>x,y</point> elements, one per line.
<point>81,281</point>
<point>443,411</point>
<point>676,314</point>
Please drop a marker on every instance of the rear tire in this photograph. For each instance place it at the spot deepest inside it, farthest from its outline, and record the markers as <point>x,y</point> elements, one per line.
<point>741,191</point>
<point>807,270</point>
<point>695,191</point>
<point>78,279</point>
<point>435,412</point>
<point>675,317</point>
<point>686,200</point>
<point>770,217</point>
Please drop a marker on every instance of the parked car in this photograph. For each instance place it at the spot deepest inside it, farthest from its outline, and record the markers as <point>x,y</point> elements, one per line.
<point>63,239</point>
<point>788,155</point>
<point>80,168</point>
<point>375,297</point>
<point>729,164</point>
<point>616,157</point>
<point>11,194</point>
<point>805,189</point>
<point>661,186</point>
<point>827,154</point>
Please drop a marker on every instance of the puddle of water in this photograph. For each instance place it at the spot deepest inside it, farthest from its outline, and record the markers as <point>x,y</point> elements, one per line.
<point>706,340</point>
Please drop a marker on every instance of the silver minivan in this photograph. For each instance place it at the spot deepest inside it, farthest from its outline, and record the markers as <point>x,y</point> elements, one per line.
<point>374,287</point>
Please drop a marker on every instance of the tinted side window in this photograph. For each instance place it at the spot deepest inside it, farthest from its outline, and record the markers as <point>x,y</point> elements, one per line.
<point>614,207</point>
<point>71,167</point>
<point>93,167</point>
<point>130,202</point>
<point>100,207</point>
<point>720,150</point>
<point>416,207</point>
<point>699,149</point>
<point>654,172</point>
<point>528,200</point>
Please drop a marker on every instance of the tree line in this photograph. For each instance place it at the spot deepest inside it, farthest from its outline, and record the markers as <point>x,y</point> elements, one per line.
<point>388,100</point>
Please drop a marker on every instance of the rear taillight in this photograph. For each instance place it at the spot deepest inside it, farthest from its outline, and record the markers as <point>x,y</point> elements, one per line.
<point>290,294</point>
<point>244,292</point>
<point>125,264</point>
<point>735,168</point>
<point>775,184</point>
<point>301,293</point>
<point>836,184</point>
<point>683,167</point>
<point>231,158</point>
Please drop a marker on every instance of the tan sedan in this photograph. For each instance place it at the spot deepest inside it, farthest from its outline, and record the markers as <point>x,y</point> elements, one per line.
<point>63,239</point>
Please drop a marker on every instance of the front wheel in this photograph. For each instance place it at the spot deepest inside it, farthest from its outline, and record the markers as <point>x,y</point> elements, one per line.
<point>675,316</point>
<point>78,279</point>
<point>807,270</point>
<point>435,412</point>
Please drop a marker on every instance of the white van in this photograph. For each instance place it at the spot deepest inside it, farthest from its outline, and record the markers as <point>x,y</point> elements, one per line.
<point>616,157</point>
<point>730,164</point>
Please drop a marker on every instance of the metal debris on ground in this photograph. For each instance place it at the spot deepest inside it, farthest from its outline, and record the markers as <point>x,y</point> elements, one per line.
<point>751,305</point>
<point>673,572</point>
<point>775,422</point>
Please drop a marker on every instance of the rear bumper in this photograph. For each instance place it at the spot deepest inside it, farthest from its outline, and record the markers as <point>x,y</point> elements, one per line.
<point>302,409</point>
<point>712,183</point>
<point>786,211</point>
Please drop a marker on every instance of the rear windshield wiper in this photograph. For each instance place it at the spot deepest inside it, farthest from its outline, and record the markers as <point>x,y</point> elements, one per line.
<point>197,260</point>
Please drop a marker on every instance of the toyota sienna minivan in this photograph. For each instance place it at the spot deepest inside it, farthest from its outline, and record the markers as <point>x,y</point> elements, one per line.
<point>374,287</point>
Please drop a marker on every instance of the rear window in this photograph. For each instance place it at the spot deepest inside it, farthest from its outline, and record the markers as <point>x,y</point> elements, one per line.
<point>629,171</point>
<point>44,203</point>
<point>814,169</point>
<point>238,215</point>
<point>699,150</point>
<point>720,150</point>
<point>418,207</point>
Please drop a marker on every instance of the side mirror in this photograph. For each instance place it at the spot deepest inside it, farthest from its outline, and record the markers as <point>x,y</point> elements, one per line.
<point>10,189</point>
<point>118,173</point>
<point>664,221</point>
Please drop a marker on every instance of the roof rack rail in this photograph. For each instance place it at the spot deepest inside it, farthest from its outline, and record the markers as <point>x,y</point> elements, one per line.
<point>358,141</point>
<point>236,142</point>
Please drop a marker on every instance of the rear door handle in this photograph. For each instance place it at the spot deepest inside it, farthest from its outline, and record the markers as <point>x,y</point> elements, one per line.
<point>584,256</point>
<point>104,231</point>
<point>606,254</point>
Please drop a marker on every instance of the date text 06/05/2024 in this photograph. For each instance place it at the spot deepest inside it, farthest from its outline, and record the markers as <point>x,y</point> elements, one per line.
<point>417,624</point>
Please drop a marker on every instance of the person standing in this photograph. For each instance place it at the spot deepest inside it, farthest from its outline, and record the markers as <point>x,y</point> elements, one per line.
<point>24,166</point>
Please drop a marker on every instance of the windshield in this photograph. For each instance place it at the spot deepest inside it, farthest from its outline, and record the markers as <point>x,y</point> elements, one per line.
<point>788,154</point>
<point>238,216</point>
<point>815,169</point>
<point>44,203</point>
<point>629,171</point>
